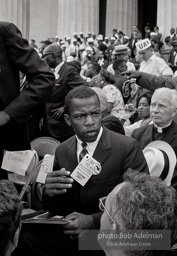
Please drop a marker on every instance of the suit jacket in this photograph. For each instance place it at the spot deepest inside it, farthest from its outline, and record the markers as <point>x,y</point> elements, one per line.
<point>67,79</point>
<point>115,152</point>
<point>17,55</point>
<point>144,136</point>
<point>152,82</point>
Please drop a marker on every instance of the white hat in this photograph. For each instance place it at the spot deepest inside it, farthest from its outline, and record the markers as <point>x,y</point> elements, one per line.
<point>120,49</point>
<point>113,38</point>
<point>90,40</point>
<point>143,45</point>
<point>100,37</point>
<point>161,160</point>
<point>70,58</point>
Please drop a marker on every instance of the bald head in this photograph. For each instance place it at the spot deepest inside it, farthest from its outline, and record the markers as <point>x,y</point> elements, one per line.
<point>53,48</point>
<point>52,54</point>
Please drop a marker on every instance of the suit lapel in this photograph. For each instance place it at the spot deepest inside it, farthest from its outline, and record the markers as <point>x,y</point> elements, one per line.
<point>72,153</point>
<point>102,149</point>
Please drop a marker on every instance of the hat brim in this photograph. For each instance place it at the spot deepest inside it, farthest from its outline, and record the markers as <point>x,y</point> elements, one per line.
<point>120,52</point>
<point>162,145</point>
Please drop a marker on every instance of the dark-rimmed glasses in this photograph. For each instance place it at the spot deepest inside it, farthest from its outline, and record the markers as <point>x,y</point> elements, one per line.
<point>103,208</point>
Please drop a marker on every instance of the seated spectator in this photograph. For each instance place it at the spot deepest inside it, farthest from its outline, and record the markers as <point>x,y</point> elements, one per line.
<point>10,215</point>
<point>115,102</point>
<point>102,60</point>
<point>143,108</point>
<point>121,52</point>
<point>92,71</point>
<point>163,108</point>
<point>77,201</point>
<point>141,202</point>
<point>151,63</point>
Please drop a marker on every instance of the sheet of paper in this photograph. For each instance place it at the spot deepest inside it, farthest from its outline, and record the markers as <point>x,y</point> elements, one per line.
<point>17,161</point>
<point>46,167</point>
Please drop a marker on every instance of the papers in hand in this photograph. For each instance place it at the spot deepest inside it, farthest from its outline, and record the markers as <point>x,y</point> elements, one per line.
<point>46,167</point>
<point>44,218</point>
<point>17,161</point>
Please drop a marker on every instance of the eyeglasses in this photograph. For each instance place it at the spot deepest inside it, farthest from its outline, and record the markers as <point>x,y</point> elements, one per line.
<point>103,208</point>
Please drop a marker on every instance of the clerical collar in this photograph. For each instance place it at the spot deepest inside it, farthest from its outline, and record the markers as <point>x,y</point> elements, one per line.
<point>91,146</point>
<point>161,129</point>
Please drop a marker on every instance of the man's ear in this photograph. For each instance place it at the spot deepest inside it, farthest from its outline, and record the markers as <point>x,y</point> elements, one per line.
<point>175,112</point>
<point>67,119</point>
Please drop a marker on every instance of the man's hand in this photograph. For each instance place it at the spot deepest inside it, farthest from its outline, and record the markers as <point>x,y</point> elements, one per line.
<point>56,113</point>
<point>131,74</point>
<point>4,118</point>
<point>78,222</point>
<point>57,182</point>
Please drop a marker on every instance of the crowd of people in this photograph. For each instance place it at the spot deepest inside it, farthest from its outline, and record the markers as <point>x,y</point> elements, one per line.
<point>110,100</point>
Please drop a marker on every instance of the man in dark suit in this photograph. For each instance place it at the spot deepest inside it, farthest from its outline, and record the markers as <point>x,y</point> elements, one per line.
<point>162,110</point>
<point>15,107</point>
<point>63,195</point>
<point>66,78</point>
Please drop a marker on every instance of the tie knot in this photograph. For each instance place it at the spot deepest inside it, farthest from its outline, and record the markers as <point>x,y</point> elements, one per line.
<point>84,144</point>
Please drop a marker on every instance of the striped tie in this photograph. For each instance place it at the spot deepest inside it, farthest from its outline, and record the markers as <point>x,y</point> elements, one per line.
<point>83,151</point>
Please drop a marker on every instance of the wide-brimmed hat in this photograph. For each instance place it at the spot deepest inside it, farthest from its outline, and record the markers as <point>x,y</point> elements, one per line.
<point>143,45</point>
<point>120,49</point>
<point>161,160</point>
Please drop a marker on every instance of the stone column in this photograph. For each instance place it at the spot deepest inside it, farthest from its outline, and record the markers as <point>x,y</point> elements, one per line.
<point>166,16</point>
<point>77,16</point>
<point>121,14</point>
<point>16,11</point>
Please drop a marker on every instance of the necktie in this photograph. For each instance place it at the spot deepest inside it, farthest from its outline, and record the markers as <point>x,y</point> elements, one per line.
<point>83,151</point>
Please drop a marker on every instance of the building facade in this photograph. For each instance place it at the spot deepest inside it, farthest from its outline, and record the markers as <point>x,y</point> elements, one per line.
<point>47,18</point>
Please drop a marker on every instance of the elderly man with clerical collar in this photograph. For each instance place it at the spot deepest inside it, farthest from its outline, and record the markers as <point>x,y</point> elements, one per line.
<point>162,110</point>
<point>87,167</point>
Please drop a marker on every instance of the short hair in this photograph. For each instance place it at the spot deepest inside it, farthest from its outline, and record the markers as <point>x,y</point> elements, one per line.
<point>167,39</point>
<point>109,78</point>
<point>145,202</point>
<point>10,214</point>
<point>96,66</point>
<point>117,63</point>
<point>147,95</point>
<point>172,92</point>
<point>80,92</point>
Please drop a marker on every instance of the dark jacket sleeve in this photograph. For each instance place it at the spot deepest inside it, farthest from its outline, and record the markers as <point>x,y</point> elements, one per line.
<point>40,79</point>
<point>152,82</point>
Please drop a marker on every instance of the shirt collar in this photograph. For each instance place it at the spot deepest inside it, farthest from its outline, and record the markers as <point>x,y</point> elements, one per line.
<point>57,69</point>
<point>91,146</point>
<point>162,129</point>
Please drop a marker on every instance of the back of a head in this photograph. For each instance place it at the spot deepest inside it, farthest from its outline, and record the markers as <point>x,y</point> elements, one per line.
<point>10,214</point>
<point>79,92</point>
<point>145,203</point>
<point>53,48</point>
<point>96,66</point>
